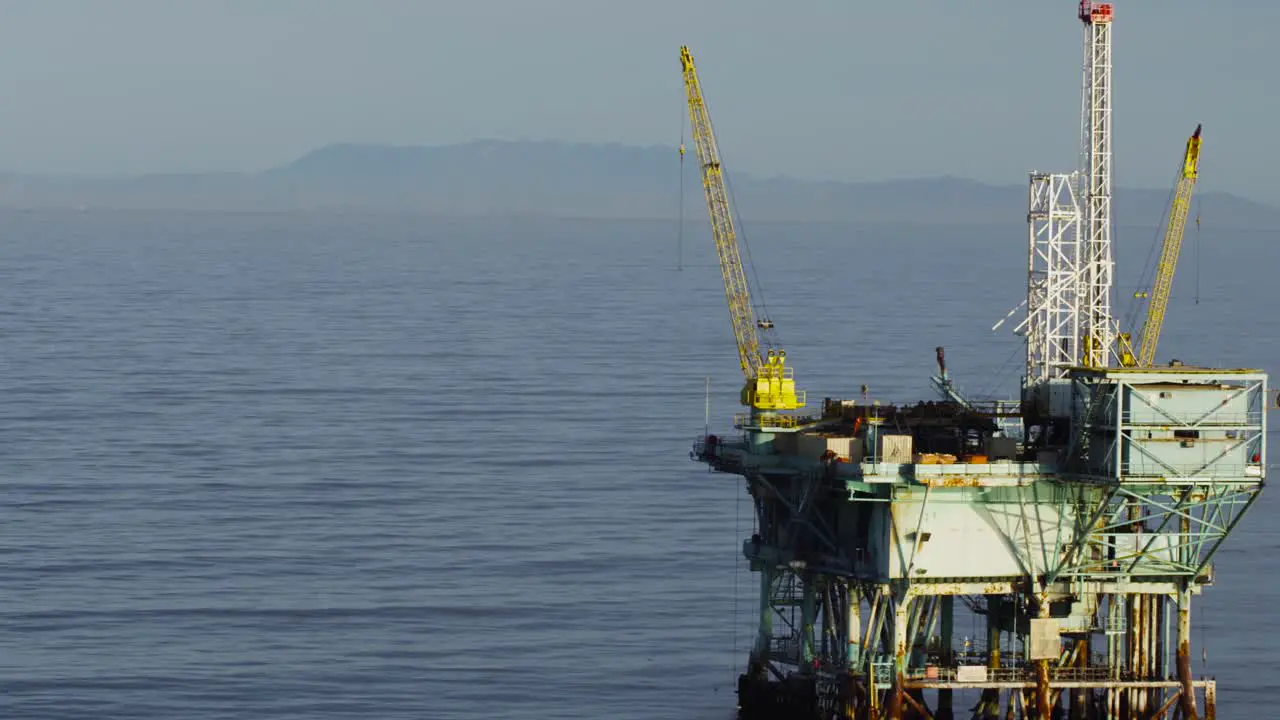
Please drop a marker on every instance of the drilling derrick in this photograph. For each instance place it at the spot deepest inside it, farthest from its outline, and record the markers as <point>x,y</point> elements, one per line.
<point>1072,530</point>
<point>1098,331</point>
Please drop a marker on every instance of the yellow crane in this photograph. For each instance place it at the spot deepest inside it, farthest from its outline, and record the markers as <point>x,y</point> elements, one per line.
<point>770,384</point>
<point>1163,284</point>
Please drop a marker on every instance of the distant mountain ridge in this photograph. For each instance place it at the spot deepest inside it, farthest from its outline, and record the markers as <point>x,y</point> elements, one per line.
<point>490,177</point>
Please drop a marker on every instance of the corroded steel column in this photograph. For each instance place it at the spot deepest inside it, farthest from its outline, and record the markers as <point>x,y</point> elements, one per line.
<point>853,633</point>
<point>853,621</point>
<point>901,606</point>
<point>1044,708</point>
<point>1188,702</point>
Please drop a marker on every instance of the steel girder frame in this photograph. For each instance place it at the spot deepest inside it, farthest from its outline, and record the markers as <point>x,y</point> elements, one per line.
<point>1119,510</point>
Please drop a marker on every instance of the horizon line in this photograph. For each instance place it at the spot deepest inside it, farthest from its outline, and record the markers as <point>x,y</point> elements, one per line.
<point>9,174</point>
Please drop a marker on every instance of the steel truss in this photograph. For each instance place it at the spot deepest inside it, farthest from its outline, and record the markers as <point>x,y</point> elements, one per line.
<point>1112,436</point>
<point>1140,512</point>
<point>1152,530</point>
<point>1052,323</point>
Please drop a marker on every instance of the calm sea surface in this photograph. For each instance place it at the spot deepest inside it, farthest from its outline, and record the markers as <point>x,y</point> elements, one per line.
<point>344,466</point>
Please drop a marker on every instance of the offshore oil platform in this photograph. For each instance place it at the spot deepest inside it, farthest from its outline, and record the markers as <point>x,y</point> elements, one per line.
<point>1076,524</point>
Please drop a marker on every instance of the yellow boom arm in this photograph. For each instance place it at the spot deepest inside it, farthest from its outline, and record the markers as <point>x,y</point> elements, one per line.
<point>1163,285</point>
<point>770,385</point>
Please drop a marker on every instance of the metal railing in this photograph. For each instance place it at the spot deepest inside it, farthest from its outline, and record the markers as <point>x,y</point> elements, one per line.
<point>785,649</point>
<point>741,420</point>
<point>997,408</point>
<point>1195,471</point>
<point>1093,673</point>
<point>1177,421</point>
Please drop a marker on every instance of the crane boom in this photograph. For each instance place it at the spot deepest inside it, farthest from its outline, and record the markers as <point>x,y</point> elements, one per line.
<point>736,290</point>
<point>770,385</point>
<point>1163,286</point>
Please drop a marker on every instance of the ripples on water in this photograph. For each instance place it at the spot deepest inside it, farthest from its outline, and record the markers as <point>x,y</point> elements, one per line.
<point>308,466</point>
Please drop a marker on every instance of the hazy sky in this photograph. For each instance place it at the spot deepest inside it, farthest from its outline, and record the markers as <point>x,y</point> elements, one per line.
<point>838,89</point>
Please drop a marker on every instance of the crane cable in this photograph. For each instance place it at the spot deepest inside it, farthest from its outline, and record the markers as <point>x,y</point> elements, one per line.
<point>1146,281</point>
<point>771,336</point>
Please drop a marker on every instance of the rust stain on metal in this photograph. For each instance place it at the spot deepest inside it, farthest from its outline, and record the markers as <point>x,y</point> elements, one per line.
<point>1123,685</point>
<point>917,707</point>
<point>1184,665</point>
<point>894,709</point>
<point>953,481</point>
<point>949,588</point>
<point>1042,689</point>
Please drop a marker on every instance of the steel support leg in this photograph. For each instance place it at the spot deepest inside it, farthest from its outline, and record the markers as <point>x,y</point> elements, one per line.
<point>765,631</point>
<point>1184,653</point>
<point>807,615</point>
<point>1043,704</point>
<point>853,618</point>
<point>945,698</point>
<point>901,617</point>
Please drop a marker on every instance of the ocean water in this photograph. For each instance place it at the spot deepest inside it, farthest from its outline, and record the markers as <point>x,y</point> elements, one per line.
<point>346,466</point>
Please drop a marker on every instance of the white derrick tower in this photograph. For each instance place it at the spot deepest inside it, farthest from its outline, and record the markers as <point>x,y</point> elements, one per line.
<point>1097,330</point>
<point>1053,322</point>
<point>1068,321</point>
